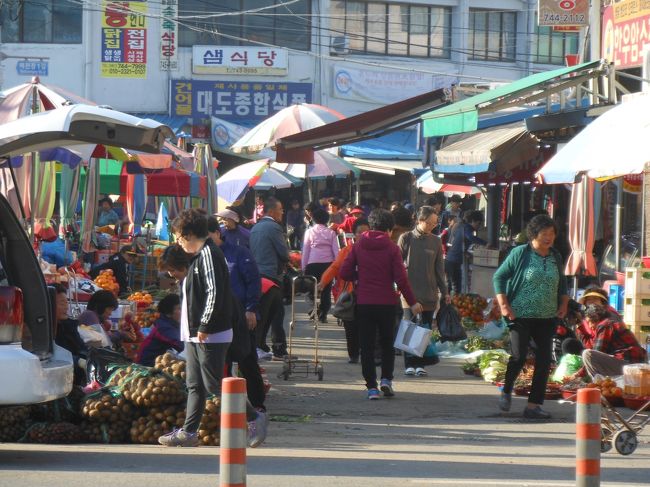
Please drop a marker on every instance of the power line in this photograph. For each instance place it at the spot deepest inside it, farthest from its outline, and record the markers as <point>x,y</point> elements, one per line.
<point>85,6</point>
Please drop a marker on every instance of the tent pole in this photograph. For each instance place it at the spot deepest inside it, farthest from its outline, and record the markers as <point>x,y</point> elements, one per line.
<point>618,223</point>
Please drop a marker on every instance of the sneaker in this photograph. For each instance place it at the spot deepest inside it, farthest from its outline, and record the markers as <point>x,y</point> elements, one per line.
<point>409,371</point>
<point>257,430</point>
<point>373,394</point>
<point>536,413</point>
<point>505,402</point>
<point>179,437</point>
<point>420,372</point>
<point>262,355</point>
<point>386,387</point>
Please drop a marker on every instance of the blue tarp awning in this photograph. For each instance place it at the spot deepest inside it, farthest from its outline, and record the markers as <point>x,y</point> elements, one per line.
<point>177,123</point>
<point>402,145</point>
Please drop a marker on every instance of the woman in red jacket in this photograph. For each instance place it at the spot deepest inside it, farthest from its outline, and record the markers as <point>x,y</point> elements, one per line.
<point>376,264</point>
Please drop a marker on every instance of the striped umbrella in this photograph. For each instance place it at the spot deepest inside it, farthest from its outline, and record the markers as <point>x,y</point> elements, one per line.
<point>288,121</point>
<point>325,165</point>
<point>233,185</point>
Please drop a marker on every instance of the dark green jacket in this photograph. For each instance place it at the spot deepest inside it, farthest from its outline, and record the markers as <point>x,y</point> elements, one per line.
<point>509,277</point>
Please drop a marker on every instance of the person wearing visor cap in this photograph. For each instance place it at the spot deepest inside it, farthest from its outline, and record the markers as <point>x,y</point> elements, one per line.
<point>232,231</point>
<point>609,344</point>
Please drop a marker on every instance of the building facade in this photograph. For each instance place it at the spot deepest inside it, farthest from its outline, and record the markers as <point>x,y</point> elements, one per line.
<point>242,60</point>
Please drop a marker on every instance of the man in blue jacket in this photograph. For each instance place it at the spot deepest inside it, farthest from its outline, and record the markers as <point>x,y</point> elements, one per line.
<point>271,252</point>
<point>461,236</point>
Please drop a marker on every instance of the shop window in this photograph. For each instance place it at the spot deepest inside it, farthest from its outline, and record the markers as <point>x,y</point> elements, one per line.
<point>286,26</point>
<point>41,22</point>
<point>551,47</point>
<point>492,35</point>
<point>397,29</point>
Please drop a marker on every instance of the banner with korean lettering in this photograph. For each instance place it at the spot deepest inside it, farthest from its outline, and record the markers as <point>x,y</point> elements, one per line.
<point>124,39</point>
<point>383,86</point>
<point>267,61</point>
<point>626,30</point>
<point>168,35</point>
<point>234,101</point>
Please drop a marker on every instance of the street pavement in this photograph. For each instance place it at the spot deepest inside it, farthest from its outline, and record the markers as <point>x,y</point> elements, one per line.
<point>439,430</point>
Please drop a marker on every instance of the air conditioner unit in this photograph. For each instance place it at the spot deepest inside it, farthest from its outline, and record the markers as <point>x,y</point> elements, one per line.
<point>339,45</point>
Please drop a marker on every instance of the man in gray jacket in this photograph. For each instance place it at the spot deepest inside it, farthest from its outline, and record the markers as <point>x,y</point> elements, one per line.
<point>269,247</point>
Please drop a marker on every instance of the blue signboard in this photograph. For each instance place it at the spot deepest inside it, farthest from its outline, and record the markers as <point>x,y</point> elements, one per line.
<point>32,68</point>
<point>234,101</point>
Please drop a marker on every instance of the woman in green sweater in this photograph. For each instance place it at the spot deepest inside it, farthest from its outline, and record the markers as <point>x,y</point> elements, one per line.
<point>532,294</point>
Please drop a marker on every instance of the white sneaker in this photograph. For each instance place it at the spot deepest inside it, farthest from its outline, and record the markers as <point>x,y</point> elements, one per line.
<point>257,430</point>
<point>262,355</point>
<point>420,372</point>
<point>409,371</point>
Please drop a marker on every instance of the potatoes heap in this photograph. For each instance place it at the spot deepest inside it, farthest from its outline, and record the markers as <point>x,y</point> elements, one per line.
<point>210,428</point>
<point>146,387</point>
<point>54,433</point>
<point>13,423</point>
<point>171,365</point>
<point>108,416</point>
<point>159,421</point>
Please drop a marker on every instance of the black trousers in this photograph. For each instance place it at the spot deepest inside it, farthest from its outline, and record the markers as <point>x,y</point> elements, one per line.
<point>250,370</point>
<point>272,317</point>
<point>352,338</point>
<point>316,270</point>
<point>373,319</point>
<point>454,271</point>
<point>521,331</point>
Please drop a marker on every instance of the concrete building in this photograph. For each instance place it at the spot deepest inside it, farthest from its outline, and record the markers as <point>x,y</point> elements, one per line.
<point>349,55</point>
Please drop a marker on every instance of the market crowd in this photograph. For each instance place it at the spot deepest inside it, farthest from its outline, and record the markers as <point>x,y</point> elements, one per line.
<point>390,264</point>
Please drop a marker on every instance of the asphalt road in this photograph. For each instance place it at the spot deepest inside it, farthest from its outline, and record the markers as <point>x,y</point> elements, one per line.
<point>439,430</point>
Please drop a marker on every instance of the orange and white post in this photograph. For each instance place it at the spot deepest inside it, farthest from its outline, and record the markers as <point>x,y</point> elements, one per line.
<point>588,438</point>
<point>232,456</point>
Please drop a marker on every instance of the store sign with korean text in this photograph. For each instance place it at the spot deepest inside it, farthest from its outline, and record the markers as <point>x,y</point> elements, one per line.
<point>563,12</point>
<point>32,68</point>
<point>234,101</point>
<point>124,39</point>
<point>626,30</point>
<point>267,61</point>
<point>168,35</point>
<point>383,86</point>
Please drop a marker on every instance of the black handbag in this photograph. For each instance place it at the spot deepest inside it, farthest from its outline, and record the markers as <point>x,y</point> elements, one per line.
<point>344,307</point>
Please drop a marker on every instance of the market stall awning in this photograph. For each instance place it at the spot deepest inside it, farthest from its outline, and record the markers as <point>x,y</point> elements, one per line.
<point>367,125</point>
<point>382,166</point>
<point>462,116</point>
<point>478,152</point>
<point>615,144</point>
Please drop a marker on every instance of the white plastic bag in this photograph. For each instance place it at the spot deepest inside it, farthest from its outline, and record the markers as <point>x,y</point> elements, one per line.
<point>94,336</point>
<point>412,338</point>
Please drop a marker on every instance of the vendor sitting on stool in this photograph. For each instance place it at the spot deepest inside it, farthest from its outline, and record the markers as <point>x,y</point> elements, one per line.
<point>119,264</point>
<point>609,344</point>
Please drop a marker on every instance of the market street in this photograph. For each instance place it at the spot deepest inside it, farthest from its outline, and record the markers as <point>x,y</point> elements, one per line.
<point>443,429</point>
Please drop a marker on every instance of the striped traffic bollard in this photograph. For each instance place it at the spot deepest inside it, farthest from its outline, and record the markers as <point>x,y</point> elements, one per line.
<point>588,433</point>
<point>232,460</point>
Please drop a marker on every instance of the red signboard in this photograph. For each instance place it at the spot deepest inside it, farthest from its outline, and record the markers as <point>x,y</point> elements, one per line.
<point>626,29</point>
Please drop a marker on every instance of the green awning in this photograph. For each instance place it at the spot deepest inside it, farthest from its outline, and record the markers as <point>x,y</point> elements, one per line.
<point>109,177</point>
<point>463,115</point>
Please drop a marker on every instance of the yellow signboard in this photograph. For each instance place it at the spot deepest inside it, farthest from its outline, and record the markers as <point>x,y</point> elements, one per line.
<point>124,39</point>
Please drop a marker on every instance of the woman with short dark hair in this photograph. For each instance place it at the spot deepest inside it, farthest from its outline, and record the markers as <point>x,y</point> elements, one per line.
<point>532,292</point>
<point>319,250</point>
<point>376,264</point>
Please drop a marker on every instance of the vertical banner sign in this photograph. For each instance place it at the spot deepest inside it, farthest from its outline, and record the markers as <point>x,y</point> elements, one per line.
<point>626,31</point>
<point>124,39</point>
<point>169,36</point>
<point>563,12</point>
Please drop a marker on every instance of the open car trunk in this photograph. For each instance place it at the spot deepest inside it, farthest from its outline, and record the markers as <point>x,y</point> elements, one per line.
<point>19,261</point>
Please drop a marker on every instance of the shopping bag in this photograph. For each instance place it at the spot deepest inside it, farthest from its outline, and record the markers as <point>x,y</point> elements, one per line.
<point>430,356</point>
<point>449,324</point>
<point>343,309</point>
<point>412,338</point>
<point>569,365</point>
